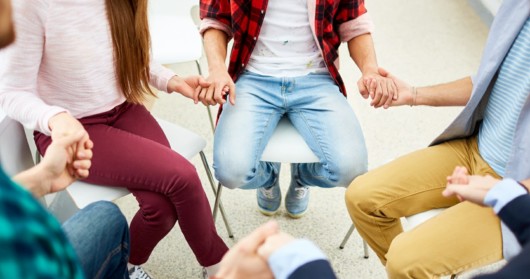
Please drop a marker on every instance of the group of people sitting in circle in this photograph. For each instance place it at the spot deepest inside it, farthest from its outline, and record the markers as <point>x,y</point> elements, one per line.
<point>78,73</point>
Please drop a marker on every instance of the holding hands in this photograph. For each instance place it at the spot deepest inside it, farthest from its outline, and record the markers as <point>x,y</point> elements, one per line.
<point>249,257</point>
<point>379,87</point>
<point>466,187</point>
<point>209,92</point>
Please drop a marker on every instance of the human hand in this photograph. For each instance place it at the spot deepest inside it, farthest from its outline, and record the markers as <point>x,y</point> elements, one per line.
<point>59,168</point>
<point>273,243</point>
<point>474,191</point>
<point>405,90</point>
<point>380,88</point>
<point>221,85</point>
<point>64,125</point>
<point>188,86</point>
<point>243,261</point>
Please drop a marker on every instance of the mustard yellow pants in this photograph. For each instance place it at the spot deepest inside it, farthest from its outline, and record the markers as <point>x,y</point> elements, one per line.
<point>462,237</point>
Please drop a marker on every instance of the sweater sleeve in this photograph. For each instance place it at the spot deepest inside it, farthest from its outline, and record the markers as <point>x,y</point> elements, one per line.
<point>19,68</point>
<point>159,76</point>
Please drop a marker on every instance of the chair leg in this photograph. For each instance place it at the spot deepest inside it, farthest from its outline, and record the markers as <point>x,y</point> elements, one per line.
<point>218,205</point>
<point>199,70</point>
<point>347,237</point>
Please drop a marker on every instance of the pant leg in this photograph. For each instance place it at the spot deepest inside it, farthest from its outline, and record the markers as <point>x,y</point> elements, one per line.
<point>243,132</point>
<point>462,237</point>
<point>410,185</point>
<point>100,236</point>
<point>328,124</point>
<point>130,150</point>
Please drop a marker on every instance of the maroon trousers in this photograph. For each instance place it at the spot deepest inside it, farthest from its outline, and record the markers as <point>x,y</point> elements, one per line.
<point>131,150</point>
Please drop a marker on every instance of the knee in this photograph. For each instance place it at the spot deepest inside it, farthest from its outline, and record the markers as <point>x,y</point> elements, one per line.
<point>360,195</point>
<point>403,261</point>
<point>107,213</point>
<point>160,213</point>
<point>233,177</point>
<point>344,171</point>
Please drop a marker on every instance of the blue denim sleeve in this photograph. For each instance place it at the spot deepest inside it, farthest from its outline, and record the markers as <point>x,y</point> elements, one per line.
<point>287,259</point>
<point>503,193</point>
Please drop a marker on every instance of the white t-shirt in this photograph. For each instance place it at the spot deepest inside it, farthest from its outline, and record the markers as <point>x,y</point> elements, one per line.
<point>286,46</point>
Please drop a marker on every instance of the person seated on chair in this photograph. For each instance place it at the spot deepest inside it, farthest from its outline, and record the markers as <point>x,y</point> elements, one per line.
<point>88,68</point>
<point>489,137</point>
<point>32,242</point>
<point>287,68</point>
<point>510,201</point>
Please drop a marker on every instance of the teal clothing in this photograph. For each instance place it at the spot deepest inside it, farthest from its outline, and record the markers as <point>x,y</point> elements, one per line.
<point>32,243</point>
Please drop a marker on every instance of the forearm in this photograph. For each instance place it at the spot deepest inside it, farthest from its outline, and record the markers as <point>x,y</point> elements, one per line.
<point>34,180</point>
<point>215,46</point>
<point>455,93</point>
<point>362,52</point>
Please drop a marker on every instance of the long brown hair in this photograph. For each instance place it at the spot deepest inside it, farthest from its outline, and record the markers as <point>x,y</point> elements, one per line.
<point>131,41</point>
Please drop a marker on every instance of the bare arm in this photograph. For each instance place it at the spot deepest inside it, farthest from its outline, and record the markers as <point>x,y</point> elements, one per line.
<point>215,46</point>
<point>380,89</point>
<point>454,93</point>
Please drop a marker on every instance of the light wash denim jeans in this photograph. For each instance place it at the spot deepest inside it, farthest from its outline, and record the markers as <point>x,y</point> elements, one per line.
<point>100,236</point>
<point>317,109</point>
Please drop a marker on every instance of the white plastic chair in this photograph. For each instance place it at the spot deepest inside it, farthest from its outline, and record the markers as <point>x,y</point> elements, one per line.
<point>286,145</point>
<point>412,221</point>
<point>15,156</point>
<point>174,34</point>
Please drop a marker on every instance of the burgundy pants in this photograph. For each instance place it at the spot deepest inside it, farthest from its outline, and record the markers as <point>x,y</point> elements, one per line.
<point>131,150</point>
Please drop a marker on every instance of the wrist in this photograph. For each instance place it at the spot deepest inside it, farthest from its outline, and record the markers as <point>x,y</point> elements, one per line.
<point>414,96</point>
<point>370,69</point>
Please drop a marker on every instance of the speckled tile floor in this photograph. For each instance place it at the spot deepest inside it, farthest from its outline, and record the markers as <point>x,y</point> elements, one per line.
<point>421,41</point>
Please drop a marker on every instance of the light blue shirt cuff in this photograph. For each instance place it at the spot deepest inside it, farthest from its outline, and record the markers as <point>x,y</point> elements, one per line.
<point>287,259</point>
<point>503,193</point>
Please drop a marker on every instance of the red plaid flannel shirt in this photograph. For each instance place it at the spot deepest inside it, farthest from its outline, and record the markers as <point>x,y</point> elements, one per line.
<point>245,17</point>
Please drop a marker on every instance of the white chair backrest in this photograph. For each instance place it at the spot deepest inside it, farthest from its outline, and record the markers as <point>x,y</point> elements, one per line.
<point>171,7</point>
<point>286,145</point>
<point>174,35</point>
<point>15,154</point>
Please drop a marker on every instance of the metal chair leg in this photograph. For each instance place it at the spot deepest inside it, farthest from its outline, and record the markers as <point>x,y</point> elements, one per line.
<point>365,248</point>
<point>218,205</point>
<point>199,69</point>
<point>347,237</point>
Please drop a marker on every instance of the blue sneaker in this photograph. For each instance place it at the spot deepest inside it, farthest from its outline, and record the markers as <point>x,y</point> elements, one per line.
<point>269,199</point>
<point>297,199</point>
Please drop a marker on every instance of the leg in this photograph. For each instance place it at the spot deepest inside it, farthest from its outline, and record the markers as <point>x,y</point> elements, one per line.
<point>100,236</point>
<point>462,237</point>
<point>130,150</point>
<point>406,186</point>
<point>243,132</point>
<point>328,124</point>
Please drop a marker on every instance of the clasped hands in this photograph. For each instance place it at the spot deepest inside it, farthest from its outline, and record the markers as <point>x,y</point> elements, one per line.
<point>249,257</point>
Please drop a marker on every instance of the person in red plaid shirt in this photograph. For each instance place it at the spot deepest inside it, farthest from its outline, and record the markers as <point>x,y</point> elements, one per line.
<point>284,63</point>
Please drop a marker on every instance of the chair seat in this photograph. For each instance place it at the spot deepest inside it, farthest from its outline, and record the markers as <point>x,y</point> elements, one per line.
<point>181,140</point>
<point>416,219</point>
<point>174,39</point>
<point>286,145</point>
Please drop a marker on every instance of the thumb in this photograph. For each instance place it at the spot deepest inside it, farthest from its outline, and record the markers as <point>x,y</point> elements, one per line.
<point>203,82</point>
<point>232,95</point>
<point>71,139</point>
<point>384,72</point>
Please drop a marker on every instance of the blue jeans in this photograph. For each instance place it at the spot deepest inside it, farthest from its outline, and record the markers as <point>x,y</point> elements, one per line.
<point>100,236</point>
<point>317,109</point>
